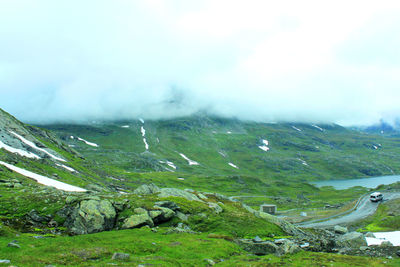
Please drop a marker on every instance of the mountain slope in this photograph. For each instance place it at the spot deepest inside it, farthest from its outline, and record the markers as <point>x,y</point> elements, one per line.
<point>215,146</point>
<point>31,154</point>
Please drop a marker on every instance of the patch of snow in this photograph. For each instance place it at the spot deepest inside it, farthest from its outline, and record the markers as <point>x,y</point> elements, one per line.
<point>31,144</point>
<point>375,147</point>
<point>71,145</point>
<point>143,131</point>
<point>141,120</point>
<point>233,165</point>
<point>180,178</point>
<point>44,180</point>
<point>125,126</point>
<point>87,142</point>
<point>265,146</point>
<point>19,151</point>
<point>191,162</point>
<point>382,132</point>
<point>316,126</point>
<point>145,144</point>
<point>171,164</point>
<point>66,167</point>
<point>228,132</point>
<point>158,140</point>
<point>71,137</point>
<point>214,132</point>
<point>297,129</point>
<point>222,154</point>
<point>392,237</point>
<point>303,162</point>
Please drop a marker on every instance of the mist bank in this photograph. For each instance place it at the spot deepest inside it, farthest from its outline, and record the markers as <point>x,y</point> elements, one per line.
<point>254,60</point>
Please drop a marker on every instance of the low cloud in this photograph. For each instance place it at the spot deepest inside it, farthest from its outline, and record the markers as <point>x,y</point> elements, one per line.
<point>308,61</point>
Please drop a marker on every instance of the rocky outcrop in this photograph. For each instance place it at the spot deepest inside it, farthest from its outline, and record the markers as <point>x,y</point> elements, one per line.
<point>91,216</point>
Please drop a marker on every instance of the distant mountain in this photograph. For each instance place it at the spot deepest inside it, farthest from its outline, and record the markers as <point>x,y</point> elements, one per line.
<point>219,147</point>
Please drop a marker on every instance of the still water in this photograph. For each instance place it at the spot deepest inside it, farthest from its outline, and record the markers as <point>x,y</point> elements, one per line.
<point>366,182</point>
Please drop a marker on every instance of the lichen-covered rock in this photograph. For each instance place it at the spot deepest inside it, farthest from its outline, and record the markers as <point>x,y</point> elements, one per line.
<point>138,220</point>
<point>147,189</point>
<point>91,216</point>
<point>174,192</point>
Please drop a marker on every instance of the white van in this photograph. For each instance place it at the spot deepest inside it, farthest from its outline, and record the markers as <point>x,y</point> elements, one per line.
<point>376,196</point>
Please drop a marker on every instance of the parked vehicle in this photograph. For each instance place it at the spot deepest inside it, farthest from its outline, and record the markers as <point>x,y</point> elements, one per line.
<point>376,196</point>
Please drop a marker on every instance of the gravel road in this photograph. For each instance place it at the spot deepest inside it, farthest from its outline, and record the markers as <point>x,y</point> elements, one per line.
<point>363,210</point>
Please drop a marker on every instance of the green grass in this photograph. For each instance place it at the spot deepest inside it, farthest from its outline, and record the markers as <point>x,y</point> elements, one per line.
<point>146,247</point>
<point>386,218</point>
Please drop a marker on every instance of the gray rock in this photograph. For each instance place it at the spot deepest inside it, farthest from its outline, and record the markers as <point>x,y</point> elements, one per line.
<point>217,209</point>
<point>340,230</point>
<point>91,216</point>
<point>147,189</point>
<point>200,195</point>
<point>140,211</point>
<point>288,247</point>
<point>181,228</point>
<point>37,218</point>
<point>257,239</point>
<point>259,249</point>
<point>386,244</point>
<point>182,216</point>
<point>364,248</point>
<point>174,192</point>
<point>13,245</point>
<point>138,220</point>
<point>351,240</point>
<point>167,204</point>
<point>120,256</point>
<point>369,234</point>
<point>210,262</point>
<point>95,188</point>
<point>162,214</point>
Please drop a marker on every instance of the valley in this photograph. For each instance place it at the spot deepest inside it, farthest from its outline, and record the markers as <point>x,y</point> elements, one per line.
<point>182,184</point>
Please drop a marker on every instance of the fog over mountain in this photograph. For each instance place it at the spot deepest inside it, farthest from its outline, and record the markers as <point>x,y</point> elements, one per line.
<point>260,60</point>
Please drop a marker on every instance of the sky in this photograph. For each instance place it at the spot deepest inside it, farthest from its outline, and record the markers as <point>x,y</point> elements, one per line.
<point>306,61</point>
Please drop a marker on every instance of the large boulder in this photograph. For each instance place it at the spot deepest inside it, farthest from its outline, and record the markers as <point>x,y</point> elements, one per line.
<point>146,189</point>
<point>174,192</point>
<point>91,216</point>
<point>351,240</point>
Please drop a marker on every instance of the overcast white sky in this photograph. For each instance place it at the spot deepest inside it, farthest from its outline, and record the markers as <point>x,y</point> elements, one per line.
<point>330,61</point>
